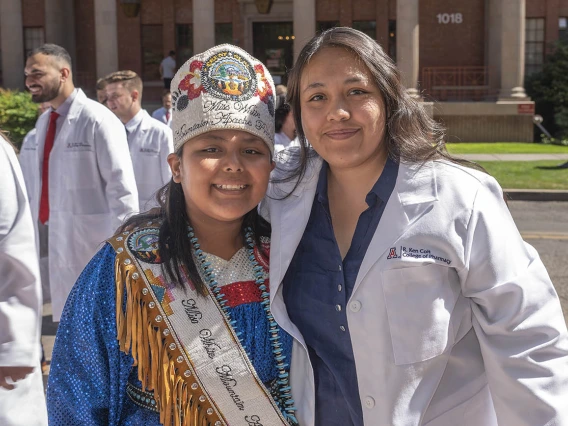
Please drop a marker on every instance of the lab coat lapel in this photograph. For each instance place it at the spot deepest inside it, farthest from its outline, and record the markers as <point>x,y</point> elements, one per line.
<point>289,223</point>
<point>414,192</point>
<point>68,124</point>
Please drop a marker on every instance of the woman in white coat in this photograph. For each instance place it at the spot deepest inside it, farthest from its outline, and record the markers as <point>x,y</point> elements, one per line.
<point>399,272</point>
<point>22,401</point>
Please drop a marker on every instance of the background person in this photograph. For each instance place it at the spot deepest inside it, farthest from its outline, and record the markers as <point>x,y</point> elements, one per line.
<point>81,181</point>
<point>149,141</point>
<point>199,333</point>
<point>399,271</point>
<point>164,114</point>
<point>101,93</point>
<point>168,69</point>
<point>284,124</point>
<point>22,401</point>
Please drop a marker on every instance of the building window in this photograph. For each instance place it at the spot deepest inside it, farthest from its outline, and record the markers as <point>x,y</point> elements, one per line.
<point>33,37</point>
<point>152,51</point>
<point>184,43</point>
<point>563,29</point>
<point>321,26</point>
<point>367,27</point>
<point>224,33</point>
<point>534,45</point>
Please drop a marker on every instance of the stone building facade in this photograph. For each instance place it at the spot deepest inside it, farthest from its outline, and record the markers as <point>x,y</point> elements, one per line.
<point>466,59</point>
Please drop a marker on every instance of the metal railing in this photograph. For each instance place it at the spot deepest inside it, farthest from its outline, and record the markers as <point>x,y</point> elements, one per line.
<point>456,84</point>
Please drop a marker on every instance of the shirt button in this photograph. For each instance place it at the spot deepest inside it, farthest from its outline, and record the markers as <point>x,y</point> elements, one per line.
<point>338,308</point>
<point>369,402</point>
<point>342,328</point>
<point>339,287</point>
<point>355,306</point>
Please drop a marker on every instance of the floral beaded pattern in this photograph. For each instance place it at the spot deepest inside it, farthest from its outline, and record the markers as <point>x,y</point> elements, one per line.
<point>281,389</point>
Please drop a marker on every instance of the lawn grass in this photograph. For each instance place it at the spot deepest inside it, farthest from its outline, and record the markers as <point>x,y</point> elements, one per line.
<point>527,175</point>
<point>505,148</point>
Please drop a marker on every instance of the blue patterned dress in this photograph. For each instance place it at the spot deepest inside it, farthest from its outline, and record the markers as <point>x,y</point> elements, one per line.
<point>92,382</point>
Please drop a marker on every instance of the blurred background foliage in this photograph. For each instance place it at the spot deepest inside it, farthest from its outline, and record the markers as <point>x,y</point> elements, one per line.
<point>18,114</point>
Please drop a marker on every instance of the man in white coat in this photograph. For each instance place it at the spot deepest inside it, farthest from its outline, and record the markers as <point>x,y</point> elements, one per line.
<point>150,141</point>
<point>79,171</point>
<point>164,114</point>
<point>22,401</point>
<point>30,143</point>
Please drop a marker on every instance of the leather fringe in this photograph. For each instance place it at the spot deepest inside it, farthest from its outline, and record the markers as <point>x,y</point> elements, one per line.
<point>139,335</point>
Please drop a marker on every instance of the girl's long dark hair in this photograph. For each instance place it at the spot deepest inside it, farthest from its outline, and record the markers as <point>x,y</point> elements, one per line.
<point>174,245</point>
<point>411,135</point>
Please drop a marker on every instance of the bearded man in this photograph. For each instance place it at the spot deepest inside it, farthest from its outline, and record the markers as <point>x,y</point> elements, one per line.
<point>79,172</point>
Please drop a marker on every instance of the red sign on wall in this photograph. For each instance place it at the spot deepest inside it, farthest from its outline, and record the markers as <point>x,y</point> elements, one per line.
<point>525,108</point>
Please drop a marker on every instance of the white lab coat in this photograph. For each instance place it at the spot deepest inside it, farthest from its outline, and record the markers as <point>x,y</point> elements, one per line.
<point>20,298</point>
<point>160,115</point>
<point>150,143</point>
<point>91,188</point>
<point>453,318</point>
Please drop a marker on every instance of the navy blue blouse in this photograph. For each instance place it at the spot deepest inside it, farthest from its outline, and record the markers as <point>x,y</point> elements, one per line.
<point>317,287</point>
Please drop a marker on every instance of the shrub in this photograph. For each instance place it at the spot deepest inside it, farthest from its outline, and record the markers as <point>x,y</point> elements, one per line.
<point>549,89</point>
<point>18,114</point>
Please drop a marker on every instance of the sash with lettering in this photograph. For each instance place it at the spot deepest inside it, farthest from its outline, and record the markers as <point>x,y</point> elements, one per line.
<point>185,350</point>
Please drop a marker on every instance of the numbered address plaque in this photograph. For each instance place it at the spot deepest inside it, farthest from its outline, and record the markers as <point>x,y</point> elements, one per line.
<point>449,18</point>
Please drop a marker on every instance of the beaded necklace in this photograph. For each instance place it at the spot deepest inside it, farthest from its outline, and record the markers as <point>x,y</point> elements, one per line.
<point>279,358</point>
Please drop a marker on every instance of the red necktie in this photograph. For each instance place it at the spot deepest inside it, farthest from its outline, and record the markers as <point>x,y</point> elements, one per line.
<point>49,138</point>
<point>167,116</point>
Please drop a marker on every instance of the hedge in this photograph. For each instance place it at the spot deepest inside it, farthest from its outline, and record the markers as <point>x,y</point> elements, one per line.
<point>18,114</point>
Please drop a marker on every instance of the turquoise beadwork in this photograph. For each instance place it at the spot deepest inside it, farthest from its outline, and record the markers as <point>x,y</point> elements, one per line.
<point>284,382</point>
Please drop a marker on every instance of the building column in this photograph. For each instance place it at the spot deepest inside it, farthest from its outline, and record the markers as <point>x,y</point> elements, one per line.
<point>106,38</point>
<point>203,25</point>
<point>513,50</point>
<point>304,18</point>
<point>12,36</point>
<point>493,23</point>
<point>407,44</point>
<point>60,24</point>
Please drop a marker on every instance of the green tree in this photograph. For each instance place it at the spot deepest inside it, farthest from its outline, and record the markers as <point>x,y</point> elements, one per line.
<point>18,114</point>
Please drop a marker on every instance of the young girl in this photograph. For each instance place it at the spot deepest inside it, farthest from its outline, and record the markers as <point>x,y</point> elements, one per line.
<point>170,322</point>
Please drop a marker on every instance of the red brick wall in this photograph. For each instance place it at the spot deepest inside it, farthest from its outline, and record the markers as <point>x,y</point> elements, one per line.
<point>536,8</point>
<point>563,7</point>
<point>85,68</point>
<point>365,10</point>
<point>151,12</point>
<point>392,9</point>
<point>128,33</point>
<point>238,26</point>
<point>224,11</point>
<point>33,13</point>
<point>452,44</point>
<point>184,11</point>
<point>327,10</point>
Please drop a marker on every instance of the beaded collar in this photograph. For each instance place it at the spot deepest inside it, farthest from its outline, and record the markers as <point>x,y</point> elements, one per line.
<point>283,381</point>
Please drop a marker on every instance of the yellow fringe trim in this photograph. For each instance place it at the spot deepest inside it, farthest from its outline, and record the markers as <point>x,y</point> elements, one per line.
<point>140,335</point>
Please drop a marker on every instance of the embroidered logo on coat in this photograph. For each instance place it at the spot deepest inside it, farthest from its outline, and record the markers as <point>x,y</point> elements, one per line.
<point>392,253</point>
<point>416,253</point>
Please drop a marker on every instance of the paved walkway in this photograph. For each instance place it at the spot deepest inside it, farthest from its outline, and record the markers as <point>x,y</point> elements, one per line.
<point>513,157</point>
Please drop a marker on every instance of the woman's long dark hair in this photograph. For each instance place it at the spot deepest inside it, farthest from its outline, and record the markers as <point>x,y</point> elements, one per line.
<point>175,247</point>
<point>411,135</point>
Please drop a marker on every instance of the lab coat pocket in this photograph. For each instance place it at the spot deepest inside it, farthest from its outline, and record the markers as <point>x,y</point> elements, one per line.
<point>419,303</point>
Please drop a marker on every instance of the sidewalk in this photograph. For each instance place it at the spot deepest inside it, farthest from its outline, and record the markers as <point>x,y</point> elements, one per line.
<point>525,194</point>
<point>513,157</point>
